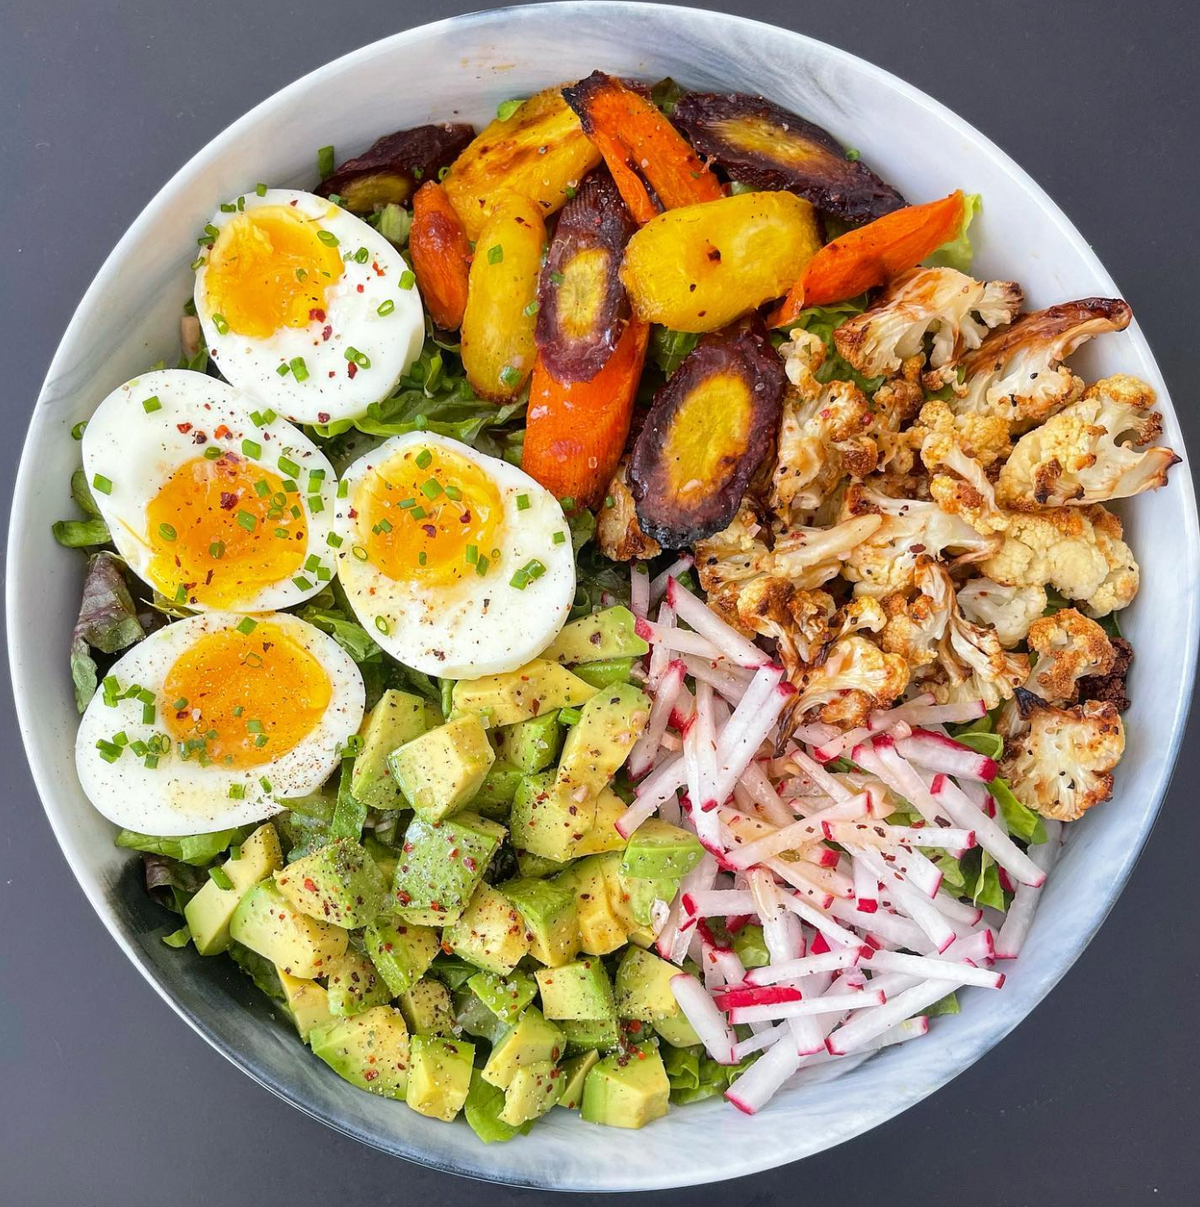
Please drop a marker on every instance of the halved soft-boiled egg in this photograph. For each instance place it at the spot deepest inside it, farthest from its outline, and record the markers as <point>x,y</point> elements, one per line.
<point>214,504</point>
<point>214,720</point>
<point>305,307</point>
<point>458,564</point>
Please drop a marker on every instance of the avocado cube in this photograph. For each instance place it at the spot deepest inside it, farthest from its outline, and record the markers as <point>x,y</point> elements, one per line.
<point>338,883</point>
<point>473,1017</point>
<point>584,1034</point>
<point>676,1030</point>
<point>546,820</point>
<point>641,895</point>
<point>627,1089</point>
<point>611,633</point>
<point>643,991</point>
<point>751,947</point>
<point>490,933</point>
<point>400,952</point>
<point>482,1111</point>
<point>385,857</point>
<point>397,718</point>
<point>537,867</point>
<point>266,923</point>
<point>658,850</point>
<point>601,928</point>
<point>580,990</point>
<point>369,1050</point>
<point>355,985</point>
<point>500,785</point>
<point>306,1002</point>
<point>612,720</point>
<point>533,1090</point>
<point>504,997</point>
<point>618,889</point>
<point>440,866</point>
<point>209,912</point>
<point>443,769</point>
<point>603,835</point>
<point>606,673</point>
<point>439,1075</point>
<point>426,1008</point>
<point>547,910</point>
<point>532,745</point>
<point>529,1040</point>
<point>574,1074</point>
<point>535,688</point>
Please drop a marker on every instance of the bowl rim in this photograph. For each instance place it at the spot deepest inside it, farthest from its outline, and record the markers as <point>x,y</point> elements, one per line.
<point>20,520</point>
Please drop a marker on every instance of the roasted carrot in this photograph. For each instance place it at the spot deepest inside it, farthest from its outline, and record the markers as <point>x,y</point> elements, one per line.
<point>872,255</point>
<point>441,255</point>
<point>575,431</point>
<point>634,137</point>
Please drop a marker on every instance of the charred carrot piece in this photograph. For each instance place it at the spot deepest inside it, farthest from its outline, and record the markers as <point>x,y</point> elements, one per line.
<point>441,255</point>
<point>575,431</point>
<point>872,255</point>
<point>634,137</point>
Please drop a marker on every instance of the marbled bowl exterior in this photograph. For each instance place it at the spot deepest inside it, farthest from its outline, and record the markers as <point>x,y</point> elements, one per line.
<point>129,318</point>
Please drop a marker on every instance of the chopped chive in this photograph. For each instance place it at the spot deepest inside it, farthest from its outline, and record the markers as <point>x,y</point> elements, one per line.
<point>167,532</point>
<point>299,368</point>
<point>510,375</point>
<point>265,784</point>
<point>495,254</point>
<point>151,404</point>
<point>343,490</point>
<point>382,625</point>
<point>269,417</point>
<point>570,191</point>
<point>315,475</point>
<point>262,488</point>
<point>150,762</point>
<point>210,230</point>
<point>422,558</point>
<point>481,566</point>
<point>325,162</point>
<point>361,256</point>
<point>181,594</point>
<point>506,109</point>
<point>301,274</point>
<point>443,172</point>
<point>217,550</point>
<point>247,625</point>
<point>289,487</point>
<point>333,540</point>
<point>261,189</point>
<point>424,459</point>
<point>237,791</point>
<point>220,877</point>
<point>316,504</point>
<point>254,726</point>
<point>405,504</point>
<point>212,453</point>
<point>197,264</point>
<point>283,370</point>
<point>241,204</point>
<point>556,278</point>
<point>532,308</point>
<point>560,538</point>
<point>246,521</point>
<point>283,534</point>
<point>312,562</point>
<point>472,554</point>
<point>148,713</point>
<point>431,488</point>
<point>361,359</point>
<point>289,467</point>
<point>78,430</point>
<point>295,512</point>
<point>102,484</point>
<point>221,325</point>
<point>453,493</point>
<point>180,704</point>
<point>385,308</point>
<point>609,501</point>
<point>407,279</point>
<point>303,583</point>
<point>359,552</point>
<point>145,695</point>
<point>418,513</point>
<point>523,503</point>
<point>227,207</point>
<point>532,570</point>
<point>324,574</point>
<point>261,740</point>
<point>251,448</point>
<point>328,238</point>
<point>108,752</point>
<point>384,525</point>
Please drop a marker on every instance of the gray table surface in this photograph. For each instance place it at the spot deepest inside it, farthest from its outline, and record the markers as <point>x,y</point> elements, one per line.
<point>107,1097</point>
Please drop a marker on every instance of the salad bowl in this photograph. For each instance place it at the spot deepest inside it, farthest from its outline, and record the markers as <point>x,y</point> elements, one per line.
<point>129,318</point>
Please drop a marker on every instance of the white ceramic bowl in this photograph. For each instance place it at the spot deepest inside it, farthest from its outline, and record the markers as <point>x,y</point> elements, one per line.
<point>465,66</point>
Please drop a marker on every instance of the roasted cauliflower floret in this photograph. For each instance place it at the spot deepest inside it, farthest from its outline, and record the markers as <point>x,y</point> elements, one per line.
<point>892,405</point>
<point>618,533</point>
<point>884,563</point>
<point>1009,610</point>
<point>1017,372</point>
<point>1090,451</point>
<point>798,621</point>
<point>1069,647</point>
<point>809,557</point>
<point>856,678</point>
<point>916,627</point>
<point>956,310</point>
<point>803,354</point>
<point>731,555</point>
<point>1077,550</point>
<point>1063,765</point>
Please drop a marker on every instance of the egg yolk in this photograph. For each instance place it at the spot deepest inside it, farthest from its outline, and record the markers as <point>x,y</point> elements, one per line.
<point>430,516</point>
<point>242,700</point>
<point>222,530</point>
<point>269,269</point>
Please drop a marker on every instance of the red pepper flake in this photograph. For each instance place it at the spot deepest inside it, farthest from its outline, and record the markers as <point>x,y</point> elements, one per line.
<point>198,437</point>
<point>354,516</point>
<point>316,314</point>
<point>183,427</point>
<point>228,500</point>
<point>222,433</point>
<point>310,884</point>
<point>375,266</point>
<point>326,331</point>
<point>323,416</point>
<point>429,530</point>
<point>351,370</point>
<point>470,864</point>
<point>359,288</point>
<point>368,1074</point>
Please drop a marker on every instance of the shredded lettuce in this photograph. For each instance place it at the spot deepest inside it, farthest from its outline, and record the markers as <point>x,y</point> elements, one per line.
<point>821,322</point>
<point>107,622</point>
<point>989,744</point>
<point>1022,821</point>
<point>694,1075</point>
<point>958,252</point>
<point>197,850</point>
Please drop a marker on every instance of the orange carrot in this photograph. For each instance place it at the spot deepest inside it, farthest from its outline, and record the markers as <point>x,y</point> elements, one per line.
<point>575,431</point>
<point>634,137</point>
<point>871,255</point>
<point>441,255</point>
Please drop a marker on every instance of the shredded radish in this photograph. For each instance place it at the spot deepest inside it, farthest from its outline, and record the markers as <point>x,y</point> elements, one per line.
<point>660,655</point>
<point>940,753</point>
<point>787,970</point>
<point>718,903</point>
<point>923,711</point>
<point>989,835</point>
<point>719,674</point>
<point>755,1088</point>
<point>639,590</point>
<point>829,1003</point>
<point>645,749</point>
<point>701,1011</point>
<point>683,641</point>
<point>798,834</point>
<point>704,620</point>
<point>756,1043</point>
<point>866,888</point>
<point>658,584</point>
<point>868,1024</point>
<point>926,968</point>
<point>1015,928</point>
<point>706,747</point>
<point>873,834</point>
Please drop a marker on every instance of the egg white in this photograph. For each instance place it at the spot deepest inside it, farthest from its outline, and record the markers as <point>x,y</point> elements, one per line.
<point>138,451</point>
<point>182,797</point>
<point>331,391</point>
<point>478,625</point>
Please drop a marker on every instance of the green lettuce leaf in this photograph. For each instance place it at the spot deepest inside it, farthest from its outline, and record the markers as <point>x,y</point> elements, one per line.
<point>1022,821</point>
<point>944,1005</point>
<point>821,322</point>
<point>958,252</point>
<point>989,744</point>
<point>987,890</point>
<point>694,1075</point>
<point>80,534</point>
<point>197,850</point>
<point>107,622</point>
<point>750,947</point>
<point>668,348</point>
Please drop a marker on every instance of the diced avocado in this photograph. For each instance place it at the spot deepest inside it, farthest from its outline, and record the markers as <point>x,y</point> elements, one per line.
<point>627,1089</point>
<point>533,1090</point>
<point>440,866</point>
<point>547,910</point>
<point>599,743</point>
<point>369,1050</point>
<point>482,1111</point>
<point>338,883</point>
<point>439,1075</point>
<point>601,929</point>
<point>658,850</point>
<point>643,991</point>
<point>443,769</point>
<point>606,673</point>
<point>268,925</point>
<point>385,857</point>
<point>537,867</point>
<point>529,1040</point>
<point>607,634</point>
<point>643,893</point>
<point>532,745</point>
<point>603,834</point>
<point>401,953</point>
<point>535,688</point>
<point>426,1008</point>
<point>677,1031</point>
<point>574,1074</point>
<point>505,997</point>
<point>751,947</point>
<point>473,1017</point>
<point>490,933</point>
<point>546,821</point>
<point>209,912</point>
<point>397,718</point>
<point>586,1033</point>
<point>307,1003</point>
<point>618,890</point>
<point>500,785</point>
<point>355,985</point>
<point>579,990</point>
